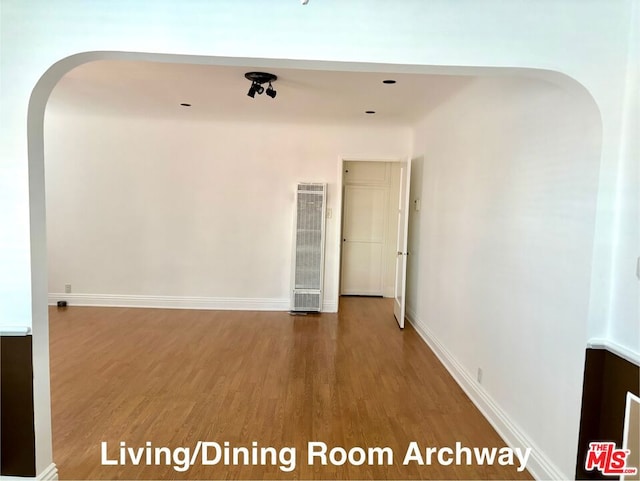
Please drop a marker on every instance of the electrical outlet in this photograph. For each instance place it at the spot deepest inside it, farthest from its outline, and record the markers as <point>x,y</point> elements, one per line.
<point>479,376</point>
<point>67,288</point>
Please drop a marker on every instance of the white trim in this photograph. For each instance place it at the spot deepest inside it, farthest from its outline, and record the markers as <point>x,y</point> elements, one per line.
<point>611,346</point>
<point>330,306</point>
<point>337,271</point>
<point>172,302</point>
<point>15,331</point>
<point>539,465</point>
<point>49,474</point>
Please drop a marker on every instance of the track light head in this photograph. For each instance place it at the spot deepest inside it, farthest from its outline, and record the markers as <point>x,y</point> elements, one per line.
<point>270,92</point>
<point>252,91</point>
<point>258,88</point>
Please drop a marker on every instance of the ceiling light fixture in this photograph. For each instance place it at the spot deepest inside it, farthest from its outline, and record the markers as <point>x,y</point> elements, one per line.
<point>186,105</point>
<point>270,92</point>
<point>259,78</point>
<point>389,82</point>
<point>370,112</point>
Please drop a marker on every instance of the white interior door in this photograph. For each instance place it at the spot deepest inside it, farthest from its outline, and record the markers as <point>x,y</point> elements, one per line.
<point>363,240</point>
<point>399,303</point>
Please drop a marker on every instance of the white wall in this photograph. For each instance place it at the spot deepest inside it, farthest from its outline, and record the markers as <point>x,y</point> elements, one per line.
<point>175,208</point>
<point>624,323</point>
<point>501,251</point>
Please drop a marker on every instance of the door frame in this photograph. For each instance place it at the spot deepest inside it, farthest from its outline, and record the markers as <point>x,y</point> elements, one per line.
<point>338,215</point>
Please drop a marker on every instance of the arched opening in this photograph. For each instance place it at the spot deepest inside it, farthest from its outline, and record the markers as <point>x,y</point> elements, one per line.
<point>543,87</point>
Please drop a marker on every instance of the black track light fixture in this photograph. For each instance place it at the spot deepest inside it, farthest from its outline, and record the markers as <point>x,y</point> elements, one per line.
<point>255,88</point>
<point>271,92</point>
<point>259,78</point>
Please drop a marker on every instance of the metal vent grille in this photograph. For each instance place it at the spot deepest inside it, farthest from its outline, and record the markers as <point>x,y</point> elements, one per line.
<point>311,187</point>
<point>309,247</point>
<point>308,241</point>
<point>306,301</point>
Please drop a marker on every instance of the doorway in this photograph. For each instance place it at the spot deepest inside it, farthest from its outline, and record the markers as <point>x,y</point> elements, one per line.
<point>370,197</point>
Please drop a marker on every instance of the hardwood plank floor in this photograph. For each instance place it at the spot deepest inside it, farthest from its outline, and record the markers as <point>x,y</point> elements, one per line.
<point>176,377</point>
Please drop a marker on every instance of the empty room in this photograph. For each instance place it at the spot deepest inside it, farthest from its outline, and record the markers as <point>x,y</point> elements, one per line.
<point>244,247</point>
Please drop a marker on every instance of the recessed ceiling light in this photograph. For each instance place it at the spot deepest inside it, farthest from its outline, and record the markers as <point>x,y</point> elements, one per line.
<point>186,105</point>
<point>390,81</point>
<point>370,112</point>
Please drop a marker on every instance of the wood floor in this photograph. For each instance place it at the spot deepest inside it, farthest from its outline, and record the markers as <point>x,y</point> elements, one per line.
<point>176,377</point>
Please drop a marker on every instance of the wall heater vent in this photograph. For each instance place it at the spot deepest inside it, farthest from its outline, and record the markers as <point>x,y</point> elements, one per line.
<point>308,258</point>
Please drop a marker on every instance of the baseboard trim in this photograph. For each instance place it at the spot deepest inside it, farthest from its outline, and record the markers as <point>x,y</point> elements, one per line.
<point>172,302</point>
<point>49,474</point>
<point>539,465</point>
<point>176,302</point>
<point>330,306</point>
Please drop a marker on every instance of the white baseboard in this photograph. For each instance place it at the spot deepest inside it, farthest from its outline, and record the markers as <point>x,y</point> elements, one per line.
<point>330,306</point>
<point>176,302</point>
<point>49,474</point>
<point>172,302</point>
<point>539,465</point>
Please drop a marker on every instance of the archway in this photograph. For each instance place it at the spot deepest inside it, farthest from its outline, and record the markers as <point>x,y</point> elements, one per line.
<point>36,163</point>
